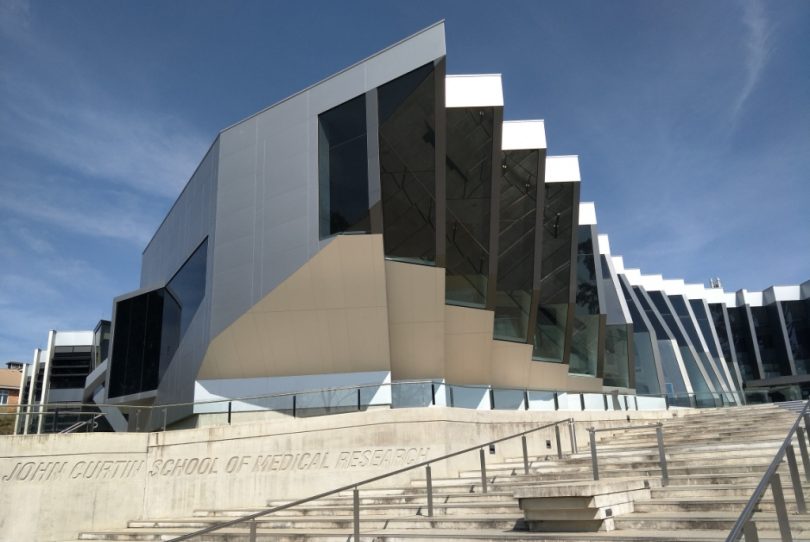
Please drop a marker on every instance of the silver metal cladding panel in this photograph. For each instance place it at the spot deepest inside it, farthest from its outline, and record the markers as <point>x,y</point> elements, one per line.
<point>267,206</point>
<point>189,221</point>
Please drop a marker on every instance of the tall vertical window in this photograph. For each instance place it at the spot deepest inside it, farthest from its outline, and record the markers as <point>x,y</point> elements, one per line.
<point>797,323</point>
<point>644,348</point>
<point>517,217</point>
<point>772,348</point>
<point>743,343</point>
<point>555,279</point>
<point>407,123</point>
<point>618,349</point>
<point>343,168</point>
<point>470,134</point>
<point>585,332</point>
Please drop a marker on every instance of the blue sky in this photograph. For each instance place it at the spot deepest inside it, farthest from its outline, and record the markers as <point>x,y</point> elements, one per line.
<point>691,120</point>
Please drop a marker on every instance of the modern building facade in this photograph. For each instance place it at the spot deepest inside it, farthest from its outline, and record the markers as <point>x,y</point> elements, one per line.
<point>387,226</point>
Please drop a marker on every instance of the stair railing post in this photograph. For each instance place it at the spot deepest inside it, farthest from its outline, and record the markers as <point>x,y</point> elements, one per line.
<point>483,458</point>
<point>252,532</point>
<point>559,442</point>
<point>803,451</point>
<point>750,531</point>
<point>781,509</point>
<point>807,427</point>
<point>429,484</point>
<point>572,434</point>
<point>801,506</point>
<point>662,456</point>
<point>356,513</point>
<point>525,454</point>
<point>165,415</point>
<point>230,410</point>
<point>594,462</point>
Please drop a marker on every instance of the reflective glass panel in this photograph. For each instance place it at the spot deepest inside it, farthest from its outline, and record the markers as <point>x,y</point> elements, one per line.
<point>343,168</point>
<point>743,343</point>
<point>549,339</point>
<point>518,204</point>
<point>584,345</point>
<point>771,343</point>
<point>617,352</point>
<point>407,112</point>
<point>555,271</point>
<point>469,190</point>
<point>797,323</point>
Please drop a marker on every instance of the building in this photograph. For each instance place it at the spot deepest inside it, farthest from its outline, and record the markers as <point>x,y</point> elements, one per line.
<point>10,383</point>
<point>386,232</point>
<point>54,385</point>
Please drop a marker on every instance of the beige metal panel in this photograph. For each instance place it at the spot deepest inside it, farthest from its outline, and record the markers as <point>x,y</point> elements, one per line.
<point>329,316</point>
<point>468,345</point>
<point>548,376</point>
<point>584,383</point>
<point>510,364</point>
<point>416,320</point>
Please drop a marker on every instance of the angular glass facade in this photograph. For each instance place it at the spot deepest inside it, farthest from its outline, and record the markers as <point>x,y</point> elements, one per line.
<point>700,384</point>
<point>470,133</point>
<point>744,344</point>
<point>770,341</point>
<point>645,348</point>
<point>618,355</point>
<point>797,324</point>
<point>150,326</point>
<point>585,330</point>
<point>555,272</point>
<point>343,169</point>
<point>516,240</point>
<point>407,146</point>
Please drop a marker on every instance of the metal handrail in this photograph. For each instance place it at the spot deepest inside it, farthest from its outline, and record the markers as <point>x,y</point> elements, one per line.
<point>310,391</point>
<point>625,427</point>
<point>744,523</point>
<point>355,485</point>
<point>659,434</point>
<point>36,410</point>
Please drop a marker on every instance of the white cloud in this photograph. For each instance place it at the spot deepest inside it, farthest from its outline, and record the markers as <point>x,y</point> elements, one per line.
<point>99,137</point>
<point>757,48</point>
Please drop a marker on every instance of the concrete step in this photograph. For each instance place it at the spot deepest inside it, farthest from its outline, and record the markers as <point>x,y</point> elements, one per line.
<point>344,508</point>
<point>396,497</point>
<point>703,520</point>
<point>708,504</point>
<point>630,469</point>
<point>392,535</point>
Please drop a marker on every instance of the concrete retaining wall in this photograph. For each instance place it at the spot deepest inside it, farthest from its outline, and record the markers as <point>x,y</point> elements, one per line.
<point>54,486</point>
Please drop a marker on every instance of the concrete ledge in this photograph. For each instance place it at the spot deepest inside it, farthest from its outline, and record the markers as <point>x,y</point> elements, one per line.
<point>586,506</point>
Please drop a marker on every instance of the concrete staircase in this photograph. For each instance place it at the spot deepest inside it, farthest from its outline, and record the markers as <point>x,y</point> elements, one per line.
<point>715,459</point>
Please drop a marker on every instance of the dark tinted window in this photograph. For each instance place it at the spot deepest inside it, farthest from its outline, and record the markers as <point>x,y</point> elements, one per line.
<point>407,113</point>
<point>149,327</point>
<point>555,271</point>
<point>585,333</point>
<point>188,285</point>
<point>743,343</point>
<point>343,168</point>
<point>516,235</point>
<point>136,344</point>
<point>617,355</point>
<point>770,341</point>
<point>469,191</point>
<point>797,324</point>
